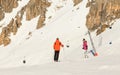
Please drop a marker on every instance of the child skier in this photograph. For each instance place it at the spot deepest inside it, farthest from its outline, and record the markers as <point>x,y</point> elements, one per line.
<point>85,47</point>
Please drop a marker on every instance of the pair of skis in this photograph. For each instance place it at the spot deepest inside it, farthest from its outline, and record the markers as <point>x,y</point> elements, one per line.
<point>94,53</point>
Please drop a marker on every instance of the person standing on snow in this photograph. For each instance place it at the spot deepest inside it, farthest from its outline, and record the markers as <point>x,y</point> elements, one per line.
<point>56,46</point>
<point>85,47</point>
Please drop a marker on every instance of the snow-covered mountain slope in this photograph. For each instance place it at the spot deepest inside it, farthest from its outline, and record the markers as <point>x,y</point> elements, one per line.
<point>38,47</point>
<point>69,26</point>
<point>73,63</point>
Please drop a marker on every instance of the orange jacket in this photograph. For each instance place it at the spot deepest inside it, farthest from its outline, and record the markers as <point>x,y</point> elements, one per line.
<point>57,45</point>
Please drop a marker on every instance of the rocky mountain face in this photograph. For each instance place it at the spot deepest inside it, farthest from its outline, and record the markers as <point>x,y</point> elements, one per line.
<point>33,9</point>
<point>76,2</point>
<point>6,6</point>
<point>101,15</point>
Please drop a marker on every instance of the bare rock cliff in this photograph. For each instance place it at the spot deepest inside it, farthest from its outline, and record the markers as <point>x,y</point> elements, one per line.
<point>101,14</point>
<point>33,9</point>
<point>6,6</point>
<point>76,2</point>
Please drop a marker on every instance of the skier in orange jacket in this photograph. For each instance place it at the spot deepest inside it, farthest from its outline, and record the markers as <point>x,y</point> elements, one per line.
<point>56,46</point>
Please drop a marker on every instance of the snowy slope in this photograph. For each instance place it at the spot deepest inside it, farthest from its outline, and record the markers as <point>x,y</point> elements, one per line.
<point>34,50</point>
<point>70,27</point>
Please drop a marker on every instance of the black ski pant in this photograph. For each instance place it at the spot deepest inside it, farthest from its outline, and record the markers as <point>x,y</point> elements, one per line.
<point>56,55</point>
